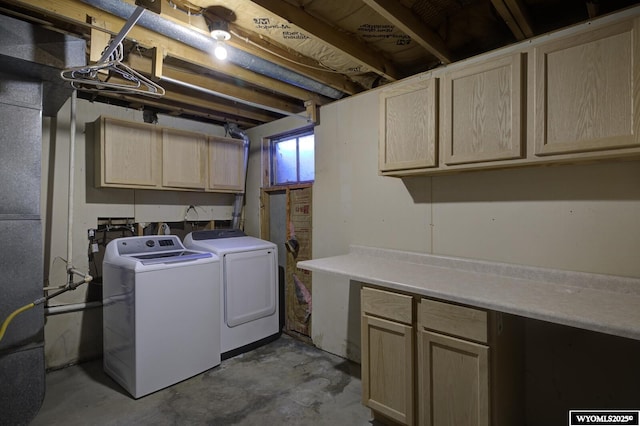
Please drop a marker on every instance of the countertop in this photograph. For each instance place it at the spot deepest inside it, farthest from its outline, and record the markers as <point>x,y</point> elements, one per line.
<point>603,303</point>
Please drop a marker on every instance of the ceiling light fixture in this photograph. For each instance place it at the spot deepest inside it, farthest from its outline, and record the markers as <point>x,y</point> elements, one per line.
<point>220,33</point>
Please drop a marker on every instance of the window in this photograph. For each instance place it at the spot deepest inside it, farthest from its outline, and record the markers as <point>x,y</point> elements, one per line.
<point>292,159</point>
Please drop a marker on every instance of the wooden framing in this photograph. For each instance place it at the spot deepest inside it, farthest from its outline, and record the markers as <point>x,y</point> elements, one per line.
<point>406,21</point>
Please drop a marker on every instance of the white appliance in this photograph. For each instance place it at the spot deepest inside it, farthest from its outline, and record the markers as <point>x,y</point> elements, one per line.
<point>161,312</point>
<point>249,276</point>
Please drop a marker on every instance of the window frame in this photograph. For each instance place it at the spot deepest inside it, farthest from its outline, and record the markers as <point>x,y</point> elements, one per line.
<point>273,169</point>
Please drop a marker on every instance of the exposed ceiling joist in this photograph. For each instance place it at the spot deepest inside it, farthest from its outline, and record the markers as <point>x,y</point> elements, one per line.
<point>515,16</point>
<point>194,102</point>
<point>76,12</point>
<point>339,41</point>
<point>280,50</point>
<point>242,94</point>
<point>408,23</point>
<point>250,42</point>
<point>179,108</point>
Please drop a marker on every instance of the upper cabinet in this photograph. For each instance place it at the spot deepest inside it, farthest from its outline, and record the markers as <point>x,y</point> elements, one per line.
<point>585,89</point>
<point>408,125</point>
<point>119,162</point>
<point>226,164</point>
<point>566,97</point>
<point>483,106</point>
<point>184,159</point>
<point>147,156</point>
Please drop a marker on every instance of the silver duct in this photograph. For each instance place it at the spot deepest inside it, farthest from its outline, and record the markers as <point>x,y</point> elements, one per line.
<point>199,41</point>
<point>234,131</point>
<point>231,98</point>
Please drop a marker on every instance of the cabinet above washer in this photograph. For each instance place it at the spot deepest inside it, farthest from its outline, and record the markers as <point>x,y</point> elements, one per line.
<point>146,156</point>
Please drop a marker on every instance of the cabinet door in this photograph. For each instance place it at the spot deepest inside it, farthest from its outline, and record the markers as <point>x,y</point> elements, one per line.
<point>483,108</point>
<point>128,154</point>
<point>387,368</point>
<point>184,158</point>
<point>408,126</point>
<point>585,89</point>
<point>226,164</point>
<point>454,381</point>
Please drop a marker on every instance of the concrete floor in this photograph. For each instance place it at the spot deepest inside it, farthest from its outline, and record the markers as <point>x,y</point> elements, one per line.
<point>286,382</point>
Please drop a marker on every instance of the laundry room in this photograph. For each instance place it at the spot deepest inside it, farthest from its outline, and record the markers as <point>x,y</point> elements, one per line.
<point>366,213</point>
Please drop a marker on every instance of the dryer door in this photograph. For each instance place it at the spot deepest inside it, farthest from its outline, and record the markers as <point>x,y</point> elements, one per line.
<point>250,285</point>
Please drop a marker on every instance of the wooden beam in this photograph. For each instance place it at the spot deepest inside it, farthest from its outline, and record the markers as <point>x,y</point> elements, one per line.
<point>357,51</point>
<point>202,103</point>
<point>252,42</point>
<point>267,49</point>
<point>519,12</point>
<point>515,16</point>
<point>178,109</point>
<point>593,8</point>
<point>75,12</point>
<point>412,26</point>
<point>144,65</point>
<point>157,63</point>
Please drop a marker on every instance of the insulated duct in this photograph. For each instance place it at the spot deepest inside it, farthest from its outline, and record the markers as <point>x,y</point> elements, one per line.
<point>199,41</point>
<point>234,131</point>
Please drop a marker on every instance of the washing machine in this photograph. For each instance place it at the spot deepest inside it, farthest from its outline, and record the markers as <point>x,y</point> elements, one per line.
<point>250,314</point>
<point>161,312</point>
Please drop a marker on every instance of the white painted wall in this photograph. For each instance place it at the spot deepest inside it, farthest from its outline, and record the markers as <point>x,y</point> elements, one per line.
<point>577,217</point>
<point>75,336</point>
<point>581,217</point>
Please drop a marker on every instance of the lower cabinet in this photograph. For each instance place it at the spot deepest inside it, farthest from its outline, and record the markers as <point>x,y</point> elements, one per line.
<point>387,354</point>
<point>434,363</point>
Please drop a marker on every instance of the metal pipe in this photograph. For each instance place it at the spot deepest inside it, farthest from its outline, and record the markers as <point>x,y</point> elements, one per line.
<point>72,158</point>
<point>231,98</point>
<point>234,131</point>
<point>199,41</point>
<point>71,307</point>
<point>113,45</point>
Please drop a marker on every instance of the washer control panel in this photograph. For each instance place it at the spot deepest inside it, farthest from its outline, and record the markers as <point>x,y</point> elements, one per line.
<point>149,243</point>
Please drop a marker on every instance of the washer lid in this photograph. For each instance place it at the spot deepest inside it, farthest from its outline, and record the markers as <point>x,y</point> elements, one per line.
<point>170,257</point>
<point>214,234</point>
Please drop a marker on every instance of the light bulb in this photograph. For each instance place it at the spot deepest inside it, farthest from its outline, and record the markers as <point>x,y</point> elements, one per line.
<point>220,51</point>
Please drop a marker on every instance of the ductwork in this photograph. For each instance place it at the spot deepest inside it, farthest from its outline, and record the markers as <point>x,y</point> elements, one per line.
<point>39,54</point>
<point>234,131</point>
<point>199,41</point>
<point>232,98</point>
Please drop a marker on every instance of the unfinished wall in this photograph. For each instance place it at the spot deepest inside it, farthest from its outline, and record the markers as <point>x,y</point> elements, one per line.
<point>255,171</point>
<point>76,336</point>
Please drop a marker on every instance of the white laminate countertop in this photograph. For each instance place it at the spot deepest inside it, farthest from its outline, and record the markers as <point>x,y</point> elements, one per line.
<point>604,303</point>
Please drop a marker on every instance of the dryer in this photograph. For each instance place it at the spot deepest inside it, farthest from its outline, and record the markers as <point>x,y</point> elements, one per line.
<point>249,291</point>
<point>161,312</point>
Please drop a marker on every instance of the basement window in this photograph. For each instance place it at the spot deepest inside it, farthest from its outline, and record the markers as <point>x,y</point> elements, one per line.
<point>292,159</point>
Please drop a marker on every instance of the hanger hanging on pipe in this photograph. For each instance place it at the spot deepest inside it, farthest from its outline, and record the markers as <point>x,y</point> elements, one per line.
<point>91,77</point>
<point>94,78</point>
